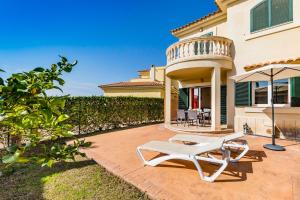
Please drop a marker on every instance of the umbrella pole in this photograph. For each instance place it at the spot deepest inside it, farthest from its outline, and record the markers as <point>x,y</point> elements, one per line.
<point>273,146</point>
<point>273,112</point>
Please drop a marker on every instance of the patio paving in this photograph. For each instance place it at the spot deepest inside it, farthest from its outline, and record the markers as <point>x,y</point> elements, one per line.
<point>261,174</point>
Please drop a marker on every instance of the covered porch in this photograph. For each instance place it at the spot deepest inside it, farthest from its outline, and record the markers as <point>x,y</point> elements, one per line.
<point>207,99</point>
<point>196,82</point>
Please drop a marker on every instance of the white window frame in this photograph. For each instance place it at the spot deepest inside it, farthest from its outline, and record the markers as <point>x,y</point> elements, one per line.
<point>270,96</point>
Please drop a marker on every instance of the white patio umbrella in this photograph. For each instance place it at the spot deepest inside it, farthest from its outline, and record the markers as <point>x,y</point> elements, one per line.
<point>270,73</point>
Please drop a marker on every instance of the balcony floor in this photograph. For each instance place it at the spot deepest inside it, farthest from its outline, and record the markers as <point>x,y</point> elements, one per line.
<point>197,129</point>
<point>261,174</point>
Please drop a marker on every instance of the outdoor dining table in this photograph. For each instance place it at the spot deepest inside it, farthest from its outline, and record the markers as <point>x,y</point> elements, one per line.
<point>200,115</point>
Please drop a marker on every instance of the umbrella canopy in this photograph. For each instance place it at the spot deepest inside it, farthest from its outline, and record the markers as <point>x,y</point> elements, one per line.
<point>271,73</point>
<point>280,71</point>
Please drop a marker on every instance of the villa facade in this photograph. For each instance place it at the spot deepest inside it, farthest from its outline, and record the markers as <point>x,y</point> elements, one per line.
<point>240,36</point>
<point>150,83</point>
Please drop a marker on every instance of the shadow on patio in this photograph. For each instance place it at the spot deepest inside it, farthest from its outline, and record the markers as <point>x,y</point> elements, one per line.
<point>176,179</point>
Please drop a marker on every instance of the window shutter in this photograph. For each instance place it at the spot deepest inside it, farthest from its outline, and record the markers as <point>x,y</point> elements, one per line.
<point>281,11</point>
<point>183,100</point>
<point>223,104</point>
<point>243,94</point>
<point>260,16</point>
<point>295,92</point>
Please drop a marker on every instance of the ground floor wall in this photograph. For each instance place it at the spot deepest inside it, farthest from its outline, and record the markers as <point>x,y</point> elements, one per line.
<point>287,121</point>
<point>135,92</point>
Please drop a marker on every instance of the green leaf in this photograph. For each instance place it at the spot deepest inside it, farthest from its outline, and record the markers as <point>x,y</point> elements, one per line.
<point>67,134</point>
<point>53,67</point>
<point>7,159</point>
<point>68,69</point>
<point>1,81</point>
<point>39,69</point>
<point>22,90</point>
<point>62,118</point>
<point>74,63</point>
<point>50,163</point>
<point>12,149</point>
<point>22,160</point>
<point>11,158</point>
<point>60,81</point>
<point>63,59</point>
<point>58,88</point>
<point>82,143</point>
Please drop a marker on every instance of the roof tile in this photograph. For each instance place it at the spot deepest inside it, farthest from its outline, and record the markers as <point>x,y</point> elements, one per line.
<point>258,65</point>
<point>198,20</point>
<point>134,84</point>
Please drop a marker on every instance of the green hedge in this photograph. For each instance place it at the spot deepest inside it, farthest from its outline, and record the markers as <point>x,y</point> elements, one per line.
<point>90,114</point>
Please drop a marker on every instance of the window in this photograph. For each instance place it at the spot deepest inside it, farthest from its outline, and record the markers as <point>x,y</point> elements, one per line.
<point>271,13</point>
<point>281,91</point>
<point>261,92</point>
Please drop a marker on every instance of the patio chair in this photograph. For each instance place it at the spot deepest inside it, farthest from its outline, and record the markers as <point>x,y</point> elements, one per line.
<point>187,152</point>
<point>200,115</point>
<point>192,117</point>
<point>181,117</point>
<point>229,142</point>
<point>206,116</point>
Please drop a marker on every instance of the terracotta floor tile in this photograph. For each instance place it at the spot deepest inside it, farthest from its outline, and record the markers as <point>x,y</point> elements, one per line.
<point>261,174</point>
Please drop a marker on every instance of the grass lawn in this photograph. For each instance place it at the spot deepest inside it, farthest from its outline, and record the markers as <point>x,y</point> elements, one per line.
<point>83,179</point>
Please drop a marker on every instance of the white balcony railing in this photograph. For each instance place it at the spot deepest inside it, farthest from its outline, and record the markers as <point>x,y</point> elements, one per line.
<point>199,47</point>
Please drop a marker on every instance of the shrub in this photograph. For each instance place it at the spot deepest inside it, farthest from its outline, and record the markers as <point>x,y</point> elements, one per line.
<point>90,114</point>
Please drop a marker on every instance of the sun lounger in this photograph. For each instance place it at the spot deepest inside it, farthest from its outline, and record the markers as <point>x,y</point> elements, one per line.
<point>187,152</point>
<point>229,142</point>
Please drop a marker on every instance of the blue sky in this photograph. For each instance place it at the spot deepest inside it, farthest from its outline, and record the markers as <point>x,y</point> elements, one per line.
<point>111,39</point>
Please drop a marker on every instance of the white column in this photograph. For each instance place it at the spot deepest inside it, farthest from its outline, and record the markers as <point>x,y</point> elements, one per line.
<point>216,99</point>
<point>168,97</point>
<point>190,99</point>
<point>230,100</point>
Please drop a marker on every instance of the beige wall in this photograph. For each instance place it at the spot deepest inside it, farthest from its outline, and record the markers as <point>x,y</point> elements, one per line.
<point>282,42</point>
<point>218,29</point>
<point>154,74</point>
<point>273,44</point>
<point>259,119</point>
<point>160,74</point>
<point>135,92</point>
<point>277,43</point>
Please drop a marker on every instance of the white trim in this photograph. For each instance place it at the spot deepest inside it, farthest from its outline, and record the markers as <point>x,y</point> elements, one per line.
<point>269,96</point>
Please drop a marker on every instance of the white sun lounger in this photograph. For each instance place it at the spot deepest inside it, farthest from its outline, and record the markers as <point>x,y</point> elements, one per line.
<point>187,152</point>
<point>229,142</point>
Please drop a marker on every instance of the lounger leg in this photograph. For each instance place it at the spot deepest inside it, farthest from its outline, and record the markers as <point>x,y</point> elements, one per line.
<point>235,145</point>
<point>139,153</point>
<point>194,159</point>
<point>198,167</point>
<point>156,161</point>
<point>224,164</point>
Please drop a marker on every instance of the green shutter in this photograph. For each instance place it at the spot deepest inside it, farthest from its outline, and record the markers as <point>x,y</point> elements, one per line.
<point>243,94</point>
<point>224,104</point>
<point>291,13</point>
<point>260,16</point>
<point>183,100</point>
<point>295,92</point>
<point>280,11</point>
<point>271,13</point>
